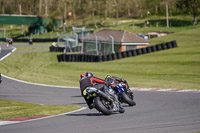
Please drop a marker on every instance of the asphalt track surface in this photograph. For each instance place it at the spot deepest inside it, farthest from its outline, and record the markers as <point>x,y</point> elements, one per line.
<point>5,50</point>
<point>155,112</point>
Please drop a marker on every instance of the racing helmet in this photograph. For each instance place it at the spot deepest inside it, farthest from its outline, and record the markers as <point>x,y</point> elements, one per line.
<point>88,74</point>
<point>107,76</point>
<point>82,75</point>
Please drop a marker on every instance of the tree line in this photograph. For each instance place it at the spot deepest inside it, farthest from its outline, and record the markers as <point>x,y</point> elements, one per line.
<point>102,9</point>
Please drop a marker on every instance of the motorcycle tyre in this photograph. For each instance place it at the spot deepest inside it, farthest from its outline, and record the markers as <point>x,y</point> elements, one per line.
<point>100,107</point>
<point>121,110</point>
<point>127,99</point>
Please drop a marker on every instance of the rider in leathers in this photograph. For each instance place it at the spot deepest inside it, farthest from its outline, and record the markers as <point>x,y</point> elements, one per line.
<point>113,81</point>
<point>88,80</point>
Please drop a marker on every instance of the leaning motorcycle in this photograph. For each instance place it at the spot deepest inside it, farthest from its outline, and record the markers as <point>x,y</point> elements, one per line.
<point>105,101</point>
<point>124,95</point>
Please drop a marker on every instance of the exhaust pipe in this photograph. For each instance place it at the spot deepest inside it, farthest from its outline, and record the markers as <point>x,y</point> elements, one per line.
<point>104,95</point>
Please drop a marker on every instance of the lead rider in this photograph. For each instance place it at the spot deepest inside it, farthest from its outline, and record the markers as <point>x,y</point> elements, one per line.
<point>89,80</point>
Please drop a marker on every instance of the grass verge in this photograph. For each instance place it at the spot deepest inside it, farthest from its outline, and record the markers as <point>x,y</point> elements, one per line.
<point>12,109</point>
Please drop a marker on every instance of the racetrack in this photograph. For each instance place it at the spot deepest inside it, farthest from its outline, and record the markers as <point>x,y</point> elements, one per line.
<point>155,112</point>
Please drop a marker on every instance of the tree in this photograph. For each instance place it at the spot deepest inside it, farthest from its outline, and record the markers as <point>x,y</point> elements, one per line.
<point>190,6</point>
<point>167,14</point>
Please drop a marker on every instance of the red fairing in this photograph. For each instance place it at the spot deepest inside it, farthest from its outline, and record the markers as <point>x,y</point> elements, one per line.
<point>95,80</point>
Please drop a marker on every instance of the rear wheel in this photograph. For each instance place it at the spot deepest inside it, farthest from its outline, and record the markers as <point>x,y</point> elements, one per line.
<point>127,99</point>
<point>103,105</point>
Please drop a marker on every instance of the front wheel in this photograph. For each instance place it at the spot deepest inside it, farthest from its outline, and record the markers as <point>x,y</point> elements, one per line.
<point>102,105</point>
<point>127,99</point>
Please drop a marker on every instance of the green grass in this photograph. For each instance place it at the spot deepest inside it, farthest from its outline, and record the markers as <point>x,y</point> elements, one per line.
<point>12,109</point>
<point>174,68</point>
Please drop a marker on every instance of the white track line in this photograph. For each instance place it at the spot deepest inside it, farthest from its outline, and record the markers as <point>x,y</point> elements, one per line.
<point>8,54</point>
<point>31,83</point>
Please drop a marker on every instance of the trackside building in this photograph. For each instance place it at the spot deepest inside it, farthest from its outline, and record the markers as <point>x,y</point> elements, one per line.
<point>108,41</point>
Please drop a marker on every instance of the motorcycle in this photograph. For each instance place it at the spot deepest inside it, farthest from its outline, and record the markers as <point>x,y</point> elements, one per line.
<point>105,101</point>
<point>124,95</point>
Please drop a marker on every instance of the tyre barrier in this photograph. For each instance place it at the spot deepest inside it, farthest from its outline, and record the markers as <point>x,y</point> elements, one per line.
<point>134,52</point>
<point>139,51</point>
<point>148,49</point>
<point>104,58</point>
<point>56,49</point>
<point>129,53</point>
<point>124,55</point>
<point>114,56</point>
<point>109,57</point>
<point>174,44</point>
<point>169,45</point>
<point>144,50</point>
<point>164,46</point>
<point>158,47</point>
<point>153,48</point>
<point>119,55</point>
<point>61,49</point>
<point>36,40</point>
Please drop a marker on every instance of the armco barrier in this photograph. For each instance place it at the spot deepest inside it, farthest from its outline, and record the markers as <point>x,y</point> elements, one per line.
<point>114,56</point>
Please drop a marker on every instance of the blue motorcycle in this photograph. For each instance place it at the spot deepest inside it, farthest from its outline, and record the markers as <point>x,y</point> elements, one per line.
<point>124,95</point>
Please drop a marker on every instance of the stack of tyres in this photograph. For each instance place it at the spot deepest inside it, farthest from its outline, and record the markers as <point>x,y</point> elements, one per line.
<point>174,44</point>
<point>119,55</point>
<point>75,57</point>
<point>104,57</point>
<point>81,58</point>
<point>148,49</point>
<point>134,52</point>
<point>158,47</point>
<point>169,45</point>
<point>59,58</point>
<point>139,51</point>
<point>164,46</point>
<point>144,51</point>
<point>153,48</point>
<point>114,56</point>
<point>66,57</point>
<point>124,55</point>
<point>100,57</point>
<point>109,57</point>
<point>62,57</point>
<point>51,48</point>
<point>129,53</point>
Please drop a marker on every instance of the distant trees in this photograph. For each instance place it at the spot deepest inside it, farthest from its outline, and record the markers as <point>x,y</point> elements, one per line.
<point>190,6</point>
<point>99,9</point>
